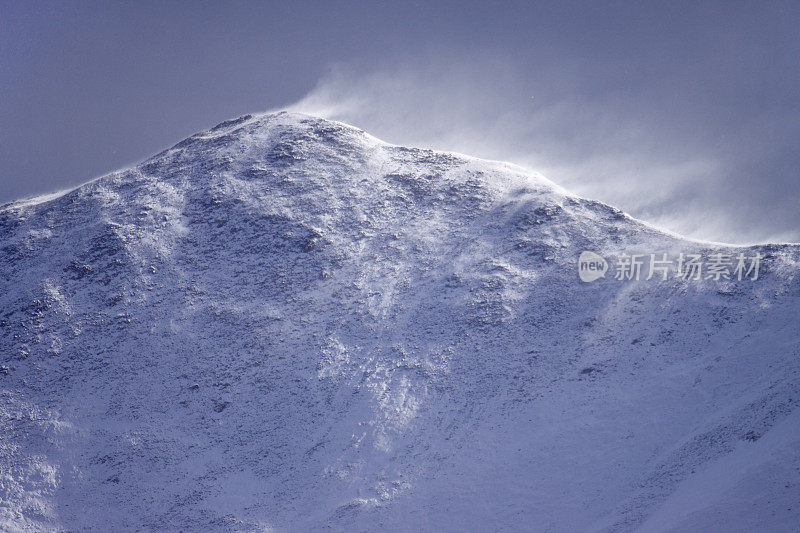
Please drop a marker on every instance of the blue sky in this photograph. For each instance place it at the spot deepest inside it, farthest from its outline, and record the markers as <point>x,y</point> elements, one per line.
<point>685,114</point>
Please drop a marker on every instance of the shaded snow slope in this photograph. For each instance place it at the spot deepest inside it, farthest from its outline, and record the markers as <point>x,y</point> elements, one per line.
<point>285,323</point>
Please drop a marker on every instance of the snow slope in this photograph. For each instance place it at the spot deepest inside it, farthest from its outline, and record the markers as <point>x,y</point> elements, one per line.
<point>284,323</point>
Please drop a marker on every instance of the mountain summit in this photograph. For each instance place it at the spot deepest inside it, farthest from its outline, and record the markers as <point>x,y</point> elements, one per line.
<point>283,322</point>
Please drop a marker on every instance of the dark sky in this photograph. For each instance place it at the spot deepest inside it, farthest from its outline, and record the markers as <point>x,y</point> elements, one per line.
<point>684,114</point>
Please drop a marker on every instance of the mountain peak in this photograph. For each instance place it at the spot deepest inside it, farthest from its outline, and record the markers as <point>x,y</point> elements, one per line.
<point>267,127</point>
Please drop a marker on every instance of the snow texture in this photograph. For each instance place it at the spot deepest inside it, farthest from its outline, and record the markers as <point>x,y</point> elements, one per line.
<point>283,323</point>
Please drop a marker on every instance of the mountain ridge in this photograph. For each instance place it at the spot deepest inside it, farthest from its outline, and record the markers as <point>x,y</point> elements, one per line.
<point>232,124</point>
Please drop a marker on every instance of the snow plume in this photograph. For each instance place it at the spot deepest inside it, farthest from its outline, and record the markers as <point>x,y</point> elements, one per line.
<point>597,141</point>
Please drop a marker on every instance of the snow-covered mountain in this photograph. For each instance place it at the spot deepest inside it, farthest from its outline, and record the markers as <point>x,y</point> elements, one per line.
<point>285,323</point>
